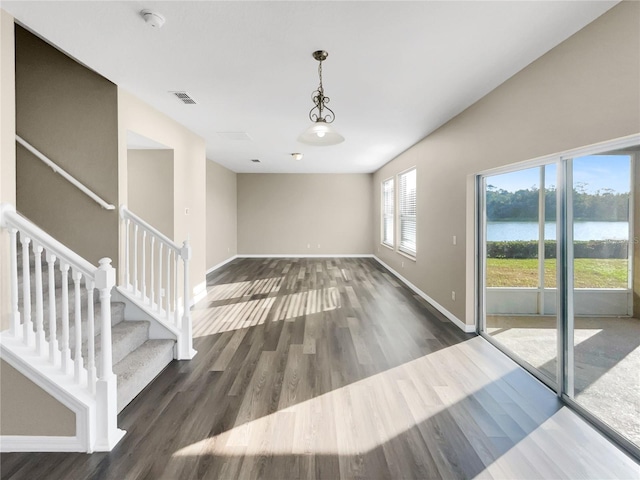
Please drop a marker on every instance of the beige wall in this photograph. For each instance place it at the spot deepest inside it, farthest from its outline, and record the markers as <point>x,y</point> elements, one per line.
<point>584,91</point>
<point>222,214</point>
<point>284,213</point>
<point>189,174</point>
<point>69,113</point>
<point>150,187</point>
<point>28,410</point>
<point>7,153</point>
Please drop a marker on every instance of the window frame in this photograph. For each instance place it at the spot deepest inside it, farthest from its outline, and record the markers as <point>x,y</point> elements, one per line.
<point>400,248</point>
<point>384,215</point>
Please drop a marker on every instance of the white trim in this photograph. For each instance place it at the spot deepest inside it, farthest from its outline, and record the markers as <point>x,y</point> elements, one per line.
<point>455,320</point>
<point>221,264</point>
<point>594,149</point>
<point>51,380</point>
<point>299,255</point>
<point>26,443</point>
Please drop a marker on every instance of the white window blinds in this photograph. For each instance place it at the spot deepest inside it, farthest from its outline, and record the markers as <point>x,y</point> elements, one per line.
<point>407,211</point>
<point>388,211</point>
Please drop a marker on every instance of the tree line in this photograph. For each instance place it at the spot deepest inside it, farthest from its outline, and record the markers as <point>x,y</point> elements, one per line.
<point>522,205</point>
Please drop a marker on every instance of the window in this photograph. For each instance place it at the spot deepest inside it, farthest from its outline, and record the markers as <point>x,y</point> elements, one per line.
<point>388,211</point>
<point>407,211</point>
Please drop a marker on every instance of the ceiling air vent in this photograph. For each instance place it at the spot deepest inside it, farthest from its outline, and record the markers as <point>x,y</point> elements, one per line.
<point>255,160</point>
<point>184,98</point>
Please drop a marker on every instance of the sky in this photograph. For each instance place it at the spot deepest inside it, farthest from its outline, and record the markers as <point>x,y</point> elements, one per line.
<point>595,171</point>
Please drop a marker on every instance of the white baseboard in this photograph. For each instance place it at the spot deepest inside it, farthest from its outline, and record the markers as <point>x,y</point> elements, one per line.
<point>20,443</point>
<point>455,320</point>
<point>221,264</point>
<point>299,255</point>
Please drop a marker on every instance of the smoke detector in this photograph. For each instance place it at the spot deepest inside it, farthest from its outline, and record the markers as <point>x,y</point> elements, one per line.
<point>153,18</point>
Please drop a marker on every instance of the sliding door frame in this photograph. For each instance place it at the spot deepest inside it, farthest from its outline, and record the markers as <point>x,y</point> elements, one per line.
<point>564,387</point>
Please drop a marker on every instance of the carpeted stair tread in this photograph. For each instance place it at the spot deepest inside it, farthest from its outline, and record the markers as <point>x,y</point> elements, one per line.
<point>140,367</point>
<point>125,338</point>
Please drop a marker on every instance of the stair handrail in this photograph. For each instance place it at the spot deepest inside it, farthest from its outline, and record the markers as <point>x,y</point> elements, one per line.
<point>97,378</point>
<point>66,175</point>
<point>163,286</point>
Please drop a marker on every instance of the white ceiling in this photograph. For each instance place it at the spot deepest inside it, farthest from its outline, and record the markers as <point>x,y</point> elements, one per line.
<point>396,70</point>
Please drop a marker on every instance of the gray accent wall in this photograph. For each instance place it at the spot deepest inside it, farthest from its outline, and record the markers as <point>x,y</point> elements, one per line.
<point>70,114</point>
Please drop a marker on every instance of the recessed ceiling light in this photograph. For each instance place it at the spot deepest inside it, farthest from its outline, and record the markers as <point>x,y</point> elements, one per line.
<point>297,156</point>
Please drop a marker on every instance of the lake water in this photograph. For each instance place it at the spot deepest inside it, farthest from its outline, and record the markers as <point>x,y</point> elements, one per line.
<point>505,231</point>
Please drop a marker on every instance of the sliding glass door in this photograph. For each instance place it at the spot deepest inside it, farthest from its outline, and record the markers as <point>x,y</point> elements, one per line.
<point>556,246</point>
<point>605,358</point>
<point>519,242</point>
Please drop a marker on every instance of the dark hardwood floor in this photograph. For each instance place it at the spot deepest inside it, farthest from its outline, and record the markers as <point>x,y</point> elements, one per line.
<point>330,368</point>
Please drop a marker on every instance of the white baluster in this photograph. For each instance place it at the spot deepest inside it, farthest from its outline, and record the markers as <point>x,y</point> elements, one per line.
<point>167,289</point>
<point>127,266</point>
<point>26,291</point>
<point>159,292</point>
<point>106,386</point>
<point>151,261</point>
<point>40,340</point>
<point>15,309</point>
<point>53,340</point>
<point>77,276</point>
<point>144,265</point>
<point>176,313</point>
<point>185,346</point>
<point>91,352</point>
<point>64,341</point>
<point>135,259</point>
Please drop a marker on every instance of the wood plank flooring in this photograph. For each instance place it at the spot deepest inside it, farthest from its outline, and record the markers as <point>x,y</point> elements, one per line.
<point>332,369</point>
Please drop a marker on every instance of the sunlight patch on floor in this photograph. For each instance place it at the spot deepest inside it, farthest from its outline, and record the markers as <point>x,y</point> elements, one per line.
<point>244,314</point>
<point>228,291</point>
<point>350,420</point>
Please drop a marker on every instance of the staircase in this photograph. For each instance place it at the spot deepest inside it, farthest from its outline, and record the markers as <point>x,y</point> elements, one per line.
<point>59,341</point>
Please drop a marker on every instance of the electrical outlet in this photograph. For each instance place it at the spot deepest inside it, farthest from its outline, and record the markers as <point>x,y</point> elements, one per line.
<point>402,264</point>
<point>318,245</point>
<point>455,240</point>
<point>308,245</point>
<point>186,211</point>
<point>453,295</point>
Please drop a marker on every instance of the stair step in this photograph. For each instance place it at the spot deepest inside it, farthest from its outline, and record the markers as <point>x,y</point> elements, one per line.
<point>140,367</point>
<point>125,338</point>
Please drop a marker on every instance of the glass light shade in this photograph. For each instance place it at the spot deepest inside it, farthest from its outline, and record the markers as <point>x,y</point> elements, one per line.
<point>320,134</point>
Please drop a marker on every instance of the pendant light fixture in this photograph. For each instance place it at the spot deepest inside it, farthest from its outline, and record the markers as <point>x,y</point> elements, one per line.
<point>320,133</point>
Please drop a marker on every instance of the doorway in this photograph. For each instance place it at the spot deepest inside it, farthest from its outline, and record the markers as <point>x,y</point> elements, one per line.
<point>556,245</point>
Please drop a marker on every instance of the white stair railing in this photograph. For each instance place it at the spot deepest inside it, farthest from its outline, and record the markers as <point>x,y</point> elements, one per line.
<point>52,347</point>
<point>156,274</point>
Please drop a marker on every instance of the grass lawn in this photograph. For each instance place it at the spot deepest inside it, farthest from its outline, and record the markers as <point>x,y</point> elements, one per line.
<point>588,272</point>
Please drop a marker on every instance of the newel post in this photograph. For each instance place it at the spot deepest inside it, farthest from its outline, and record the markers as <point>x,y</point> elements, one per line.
<point>107,433</point>
<point>185,344</point>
